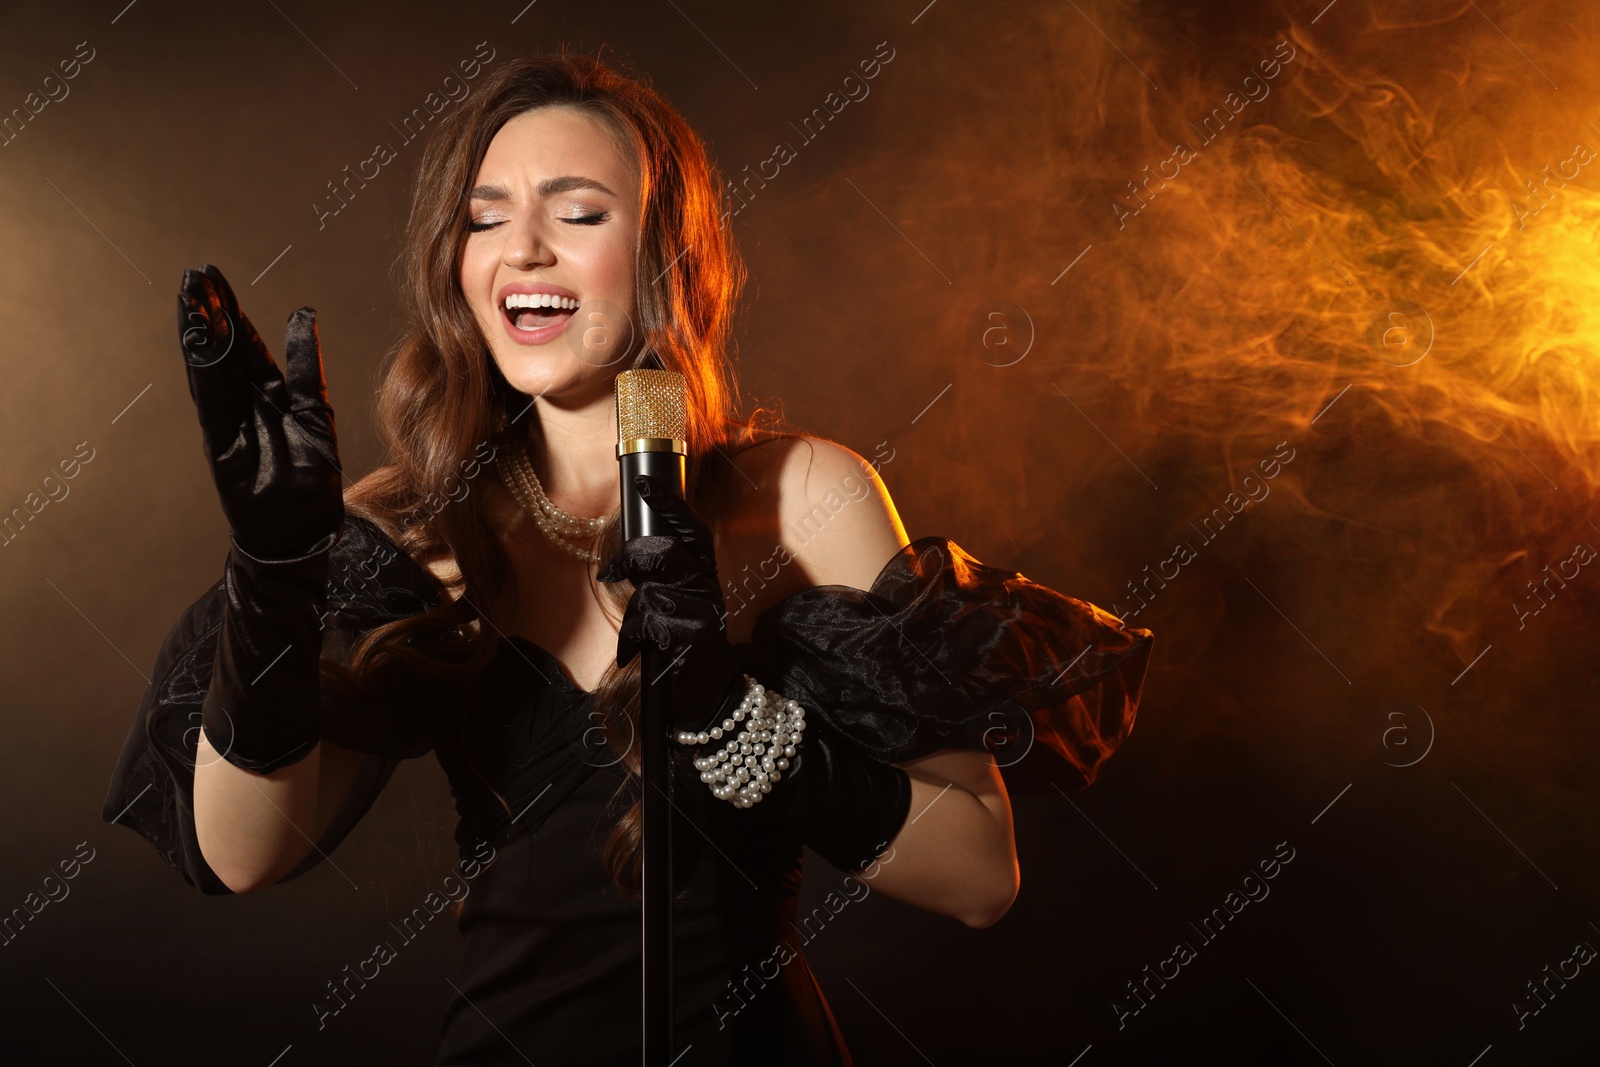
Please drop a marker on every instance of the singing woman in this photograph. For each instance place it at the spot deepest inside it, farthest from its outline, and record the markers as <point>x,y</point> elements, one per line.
<point>836,684</point>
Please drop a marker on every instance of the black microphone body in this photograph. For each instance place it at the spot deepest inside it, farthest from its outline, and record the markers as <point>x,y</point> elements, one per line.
<point>637,518</point>
<point>650,440</point>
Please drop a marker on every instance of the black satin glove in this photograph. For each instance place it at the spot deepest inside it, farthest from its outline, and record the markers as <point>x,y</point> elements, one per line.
<point>677,606</point>
<point>269,438</point>
<point>273,453</point>
<point>843,803</point>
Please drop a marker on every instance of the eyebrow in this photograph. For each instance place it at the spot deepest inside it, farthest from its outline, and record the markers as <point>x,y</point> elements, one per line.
<point>549,187</point>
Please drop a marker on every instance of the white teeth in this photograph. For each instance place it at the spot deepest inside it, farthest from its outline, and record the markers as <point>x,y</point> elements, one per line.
<point>540,300</point>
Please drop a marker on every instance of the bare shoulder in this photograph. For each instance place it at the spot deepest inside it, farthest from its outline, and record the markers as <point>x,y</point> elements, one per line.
<point>833,513</point>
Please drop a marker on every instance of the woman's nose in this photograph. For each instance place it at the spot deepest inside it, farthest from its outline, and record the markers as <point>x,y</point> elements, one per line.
<point>527,246</point>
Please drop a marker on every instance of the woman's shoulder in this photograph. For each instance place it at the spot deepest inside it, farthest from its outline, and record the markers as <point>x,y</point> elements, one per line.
<point>823,503</point>
<point>800,466</point>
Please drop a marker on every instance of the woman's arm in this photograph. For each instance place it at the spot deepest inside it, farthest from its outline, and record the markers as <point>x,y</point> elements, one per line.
<point>956,854</point>
<point>255,828</point>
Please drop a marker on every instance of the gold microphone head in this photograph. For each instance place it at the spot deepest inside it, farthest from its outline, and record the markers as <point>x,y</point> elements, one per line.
<point>651,409</point>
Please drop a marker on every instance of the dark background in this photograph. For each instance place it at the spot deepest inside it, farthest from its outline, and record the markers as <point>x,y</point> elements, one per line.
<point>1342,669</point>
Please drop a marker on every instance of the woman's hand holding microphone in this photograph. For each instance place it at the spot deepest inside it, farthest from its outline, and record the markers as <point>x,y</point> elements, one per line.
<point>270,441</point>
<point>843,803</point>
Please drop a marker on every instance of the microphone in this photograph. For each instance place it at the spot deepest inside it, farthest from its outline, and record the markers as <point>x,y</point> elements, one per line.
<point>650,440</point>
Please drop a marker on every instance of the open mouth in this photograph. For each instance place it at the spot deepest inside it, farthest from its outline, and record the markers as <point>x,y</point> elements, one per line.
<point>536,311</point>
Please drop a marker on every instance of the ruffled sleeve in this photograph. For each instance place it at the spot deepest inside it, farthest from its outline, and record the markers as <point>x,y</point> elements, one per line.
<point>370,581</point>
<point>946,652</point>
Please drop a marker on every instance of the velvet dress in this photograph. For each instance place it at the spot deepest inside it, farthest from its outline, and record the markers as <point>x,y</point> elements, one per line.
<point>941,652</point>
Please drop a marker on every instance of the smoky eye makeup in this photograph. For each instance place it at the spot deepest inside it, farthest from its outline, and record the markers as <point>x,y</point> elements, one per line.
<point>586,217</point>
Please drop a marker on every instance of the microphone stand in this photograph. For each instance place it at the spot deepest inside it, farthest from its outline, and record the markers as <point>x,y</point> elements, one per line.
<point>655,720</point>
<point>665,459</point>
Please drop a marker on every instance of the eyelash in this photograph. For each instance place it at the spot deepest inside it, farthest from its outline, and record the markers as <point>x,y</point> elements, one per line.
<point>581,220</point>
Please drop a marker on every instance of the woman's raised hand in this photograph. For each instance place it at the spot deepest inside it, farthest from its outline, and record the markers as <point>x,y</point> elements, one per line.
<point>269,437</point>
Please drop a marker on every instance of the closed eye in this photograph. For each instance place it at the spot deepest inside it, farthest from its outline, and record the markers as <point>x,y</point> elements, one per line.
<point>580,220</point>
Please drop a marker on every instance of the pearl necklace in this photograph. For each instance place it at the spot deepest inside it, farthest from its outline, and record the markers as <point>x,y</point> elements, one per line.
<point>557,525</point>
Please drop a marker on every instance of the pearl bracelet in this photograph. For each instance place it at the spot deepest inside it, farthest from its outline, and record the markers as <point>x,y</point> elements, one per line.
<point>743,770</point>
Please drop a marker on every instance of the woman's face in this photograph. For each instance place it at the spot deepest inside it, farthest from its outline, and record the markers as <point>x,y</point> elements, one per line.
<point>554,212</point>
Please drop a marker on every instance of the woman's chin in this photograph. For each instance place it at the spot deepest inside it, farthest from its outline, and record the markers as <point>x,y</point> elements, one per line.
<point>571,381</point>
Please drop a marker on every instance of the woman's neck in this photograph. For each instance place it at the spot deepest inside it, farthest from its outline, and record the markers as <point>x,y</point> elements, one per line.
<point>572,446</point>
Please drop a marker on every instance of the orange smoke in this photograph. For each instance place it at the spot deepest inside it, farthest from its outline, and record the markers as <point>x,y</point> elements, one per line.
<point>1399,243</point>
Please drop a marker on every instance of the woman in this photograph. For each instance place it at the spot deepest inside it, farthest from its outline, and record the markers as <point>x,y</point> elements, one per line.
<point>473,598</point>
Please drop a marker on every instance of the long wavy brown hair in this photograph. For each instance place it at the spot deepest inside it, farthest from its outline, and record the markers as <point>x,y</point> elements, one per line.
<point>442,398</point>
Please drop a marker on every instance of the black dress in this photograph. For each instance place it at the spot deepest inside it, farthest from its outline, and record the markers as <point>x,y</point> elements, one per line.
<point>942,652</point>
